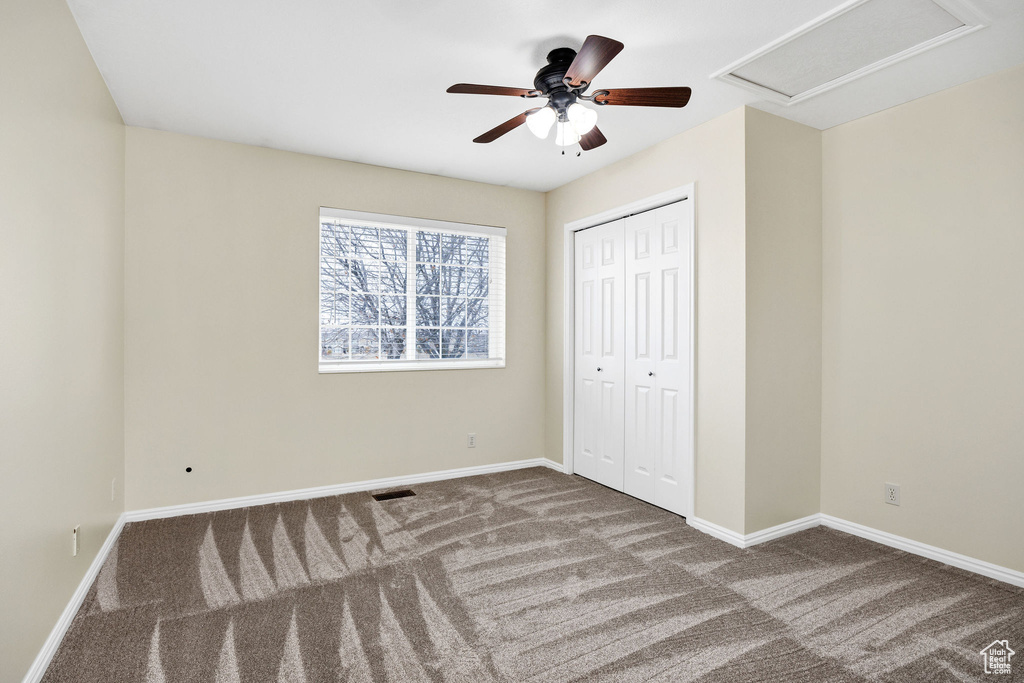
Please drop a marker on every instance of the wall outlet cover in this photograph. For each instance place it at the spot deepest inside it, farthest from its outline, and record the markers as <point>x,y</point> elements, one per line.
<point>471,441</point>
<point>892,494</point>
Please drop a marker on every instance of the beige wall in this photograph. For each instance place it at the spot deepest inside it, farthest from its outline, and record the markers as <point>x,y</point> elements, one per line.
<point>61,319</point>
<point>221,344</point>
<point>923,373</point>
<point>783,433</point>
<point>712,156</point>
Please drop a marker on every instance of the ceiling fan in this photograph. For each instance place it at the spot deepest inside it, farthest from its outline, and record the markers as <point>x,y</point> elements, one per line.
<point>563,80</point>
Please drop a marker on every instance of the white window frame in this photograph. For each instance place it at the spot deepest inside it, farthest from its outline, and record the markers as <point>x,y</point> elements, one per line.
<point>496,299</point>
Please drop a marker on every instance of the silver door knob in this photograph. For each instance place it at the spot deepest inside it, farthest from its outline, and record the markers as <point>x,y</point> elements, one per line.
<point>650,374</point>
<point>599,369</point>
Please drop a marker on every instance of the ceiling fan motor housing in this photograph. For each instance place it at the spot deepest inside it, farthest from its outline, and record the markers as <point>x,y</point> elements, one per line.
<point>549,79</point>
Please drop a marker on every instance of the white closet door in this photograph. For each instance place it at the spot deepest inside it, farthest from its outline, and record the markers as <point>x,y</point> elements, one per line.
<point>658,445</point>
<point>643,296</point>
<point>600,356</point>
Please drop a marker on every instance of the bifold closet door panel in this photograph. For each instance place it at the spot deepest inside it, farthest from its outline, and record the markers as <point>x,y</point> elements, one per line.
<point>643,306</point>
<point>600,355</point>
<point>658,443</point>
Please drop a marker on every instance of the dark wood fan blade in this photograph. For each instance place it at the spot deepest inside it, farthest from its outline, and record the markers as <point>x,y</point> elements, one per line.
<point>595,54</point>
<point>644,97</point>
<point>472,89</point>
<point>513,123</point>
<point>595,138</point>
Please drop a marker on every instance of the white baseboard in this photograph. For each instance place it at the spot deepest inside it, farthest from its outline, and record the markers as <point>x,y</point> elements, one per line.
<point>993,571</point>
<point>780,530</point>
<point>745,541</point>
<point>42,660</point>
<point>333,490</point>
<point>720,532</point>
<point>556,466</point>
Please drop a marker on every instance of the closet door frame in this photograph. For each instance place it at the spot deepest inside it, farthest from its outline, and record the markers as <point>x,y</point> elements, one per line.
<point>682,193</point>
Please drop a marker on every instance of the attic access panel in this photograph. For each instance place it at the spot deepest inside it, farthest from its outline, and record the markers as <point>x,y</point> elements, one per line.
<point>851,41</point>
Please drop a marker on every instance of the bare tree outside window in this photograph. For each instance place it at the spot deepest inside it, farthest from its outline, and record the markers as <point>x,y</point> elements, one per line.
<point>365,294</point>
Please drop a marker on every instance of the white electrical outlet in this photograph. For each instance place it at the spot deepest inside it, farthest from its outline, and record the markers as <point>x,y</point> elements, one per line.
<point>113,488</point>
<point>892,494</point>
<point>74,541</point>
<point>471,441</point>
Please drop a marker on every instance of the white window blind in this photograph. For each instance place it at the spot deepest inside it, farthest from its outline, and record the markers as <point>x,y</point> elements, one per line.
<point>401,293</point>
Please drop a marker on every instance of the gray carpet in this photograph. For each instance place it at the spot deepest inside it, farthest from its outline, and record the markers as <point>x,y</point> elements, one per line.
<point>520,576</point>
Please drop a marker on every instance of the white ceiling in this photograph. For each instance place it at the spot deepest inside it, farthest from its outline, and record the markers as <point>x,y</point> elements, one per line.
<point>365,81</point>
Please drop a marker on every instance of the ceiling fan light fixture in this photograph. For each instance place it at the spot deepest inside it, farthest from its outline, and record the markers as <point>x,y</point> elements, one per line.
<point>582,118</point>
<point>563,80</point>
<point>566,134</point>
<point>540,121</point>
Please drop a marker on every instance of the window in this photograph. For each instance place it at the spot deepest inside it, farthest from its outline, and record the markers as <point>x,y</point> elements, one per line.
<point>409,294</point>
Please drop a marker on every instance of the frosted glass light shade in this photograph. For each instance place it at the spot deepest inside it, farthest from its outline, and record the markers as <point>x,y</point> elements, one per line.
<point>582,119</point>
<point>566,134</point>
<point>539,122</point>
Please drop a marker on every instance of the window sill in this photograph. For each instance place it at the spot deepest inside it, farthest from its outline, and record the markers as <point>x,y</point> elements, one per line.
<point>327,367</point>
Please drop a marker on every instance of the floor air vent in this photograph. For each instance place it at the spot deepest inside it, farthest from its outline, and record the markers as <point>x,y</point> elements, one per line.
<point>389,495</point>
<point>849,42</point>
